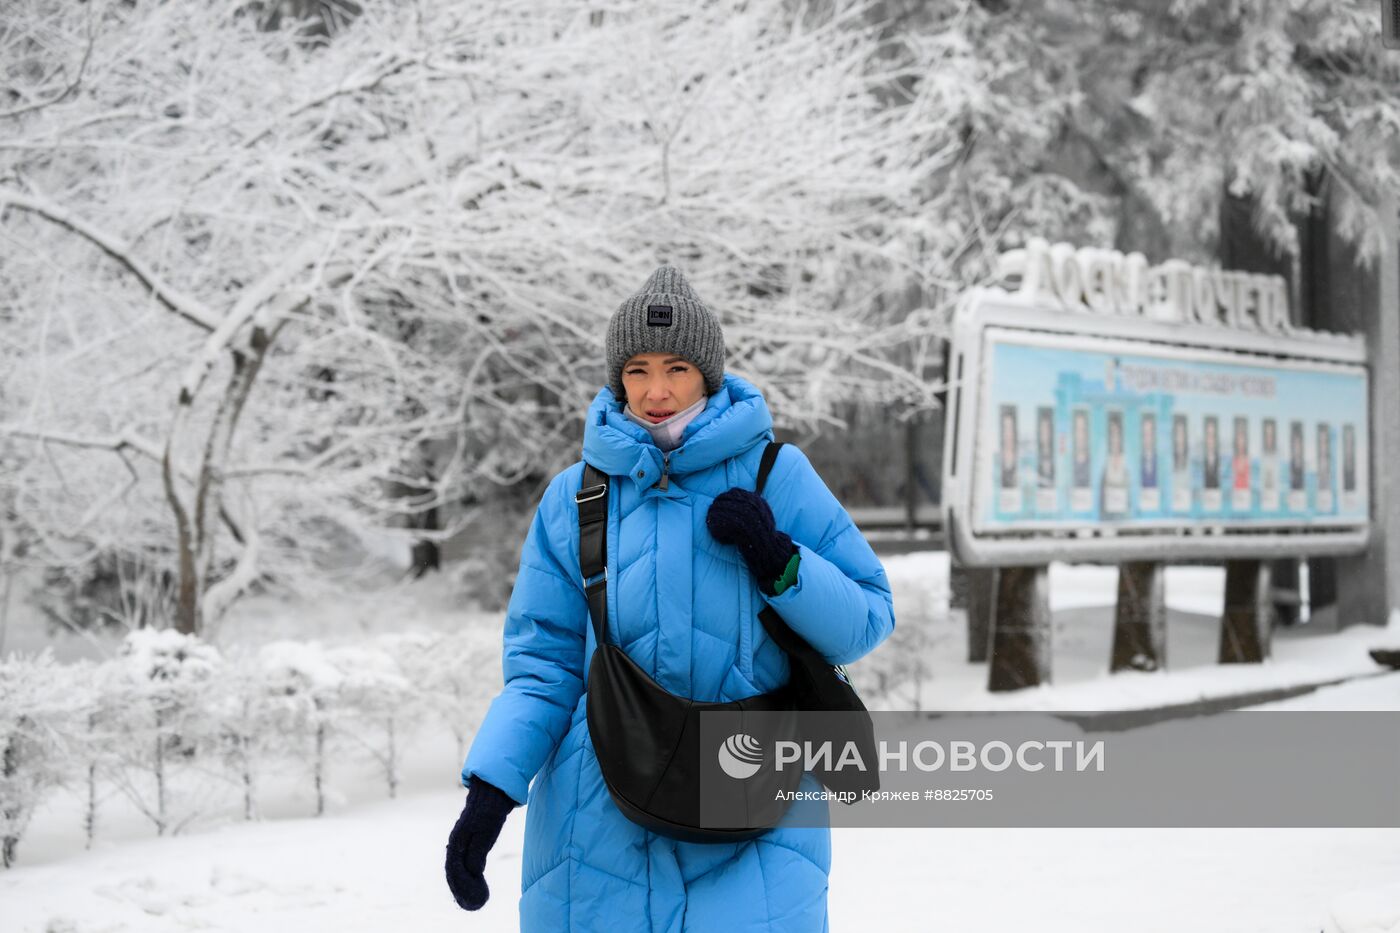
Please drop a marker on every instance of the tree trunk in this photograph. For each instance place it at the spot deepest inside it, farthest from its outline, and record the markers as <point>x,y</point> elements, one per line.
<point>187,593</point>
<point>90,815</point>
<point>393,760</point>
<point>195,532</point>
<point>7,574</point>
<point>9,766</point>
<point>427,555</point>
<point>161,820</point>
<point>320,763</point>
<point>247,782</point>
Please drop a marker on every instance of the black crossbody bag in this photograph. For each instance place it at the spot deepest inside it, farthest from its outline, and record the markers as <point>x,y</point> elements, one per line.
<point>647,739</point>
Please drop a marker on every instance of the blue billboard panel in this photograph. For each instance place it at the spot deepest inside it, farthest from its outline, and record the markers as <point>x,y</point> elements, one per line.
<point>1085,432</point>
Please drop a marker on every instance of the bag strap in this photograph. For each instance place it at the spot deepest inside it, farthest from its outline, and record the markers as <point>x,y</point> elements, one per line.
<point>777,629</point>
<point>765,466</point>
<point>592,501</point>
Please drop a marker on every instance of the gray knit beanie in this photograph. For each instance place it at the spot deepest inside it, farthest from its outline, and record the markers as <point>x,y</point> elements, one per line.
<point>666,316</point>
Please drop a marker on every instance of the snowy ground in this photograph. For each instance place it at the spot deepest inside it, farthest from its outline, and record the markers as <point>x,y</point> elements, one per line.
<point>373,864</point>
<point>1081,598</point>
<point>377,866</point>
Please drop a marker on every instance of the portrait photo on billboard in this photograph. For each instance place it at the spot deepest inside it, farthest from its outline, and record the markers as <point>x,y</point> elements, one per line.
<point>1045,447</point>
<point>1268,466</point>
<point>1210,463</point>
<point>1046,498</point>
<point>1349,458</point>
<point>1114,487</point>
<point>1181,464</point>
<point>1239,466</point>
<point>1081,473</point>
<point>1324,467</point>
<point>1149,496</point>
<point>1297,468</point>
<point>1008,461</point>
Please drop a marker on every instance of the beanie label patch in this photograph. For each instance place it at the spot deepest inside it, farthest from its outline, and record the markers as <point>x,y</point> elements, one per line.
<point>658,315</point>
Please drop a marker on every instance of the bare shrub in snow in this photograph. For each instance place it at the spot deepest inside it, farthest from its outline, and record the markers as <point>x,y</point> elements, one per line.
<point>454,675</point>
<point>100,732</point>
<point>39,705</point>
<point>160,723</point>
<point>377,704</point>
<point>245,707</point>
<point>304,685</point>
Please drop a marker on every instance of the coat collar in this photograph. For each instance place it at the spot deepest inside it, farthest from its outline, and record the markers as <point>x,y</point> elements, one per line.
<point>735,418</point>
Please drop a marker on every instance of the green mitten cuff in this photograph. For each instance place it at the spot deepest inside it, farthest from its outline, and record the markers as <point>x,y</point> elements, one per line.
<point>789,576</point>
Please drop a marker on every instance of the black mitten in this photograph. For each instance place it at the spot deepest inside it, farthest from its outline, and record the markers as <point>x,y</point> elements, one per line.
<point>482,817</point>
<point>742,518</point>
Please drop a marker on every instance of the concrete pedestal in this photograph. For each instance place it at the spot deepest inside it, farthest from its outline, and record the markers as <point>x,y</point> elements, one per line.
<point>981,611</point>
<point>1140,618</point>
<point>1021,631</point>
<point>1247,626</point>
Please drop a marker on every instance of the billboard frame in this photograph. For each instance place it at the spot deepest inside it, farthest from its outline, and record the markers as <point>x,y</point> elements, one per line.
<point>983,308</point>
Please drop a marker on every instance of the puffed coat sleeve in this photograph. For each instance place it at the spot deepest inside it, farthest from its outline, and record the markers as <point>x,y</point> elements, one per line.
<point>542,660</point>
<point>841,602</point>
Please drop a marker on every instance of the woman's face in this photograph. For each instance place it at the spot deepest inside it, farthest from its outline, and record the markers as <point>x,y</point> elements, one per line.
<point>660,384</point>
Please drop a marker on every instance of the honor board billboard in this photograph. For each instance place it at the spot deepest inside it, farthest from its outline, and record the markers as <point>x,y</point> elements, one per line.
<point>1148,426</point>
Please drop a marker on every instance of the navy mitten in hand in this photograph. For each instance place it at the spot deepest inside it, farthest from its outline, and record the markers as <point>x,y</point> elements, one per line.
<point>482,817</point>
<point>742,518</point>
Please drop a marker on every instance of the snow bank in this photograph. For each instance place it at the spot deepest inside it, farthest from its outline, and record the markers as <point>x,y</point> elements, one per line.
<point>1372,910</point>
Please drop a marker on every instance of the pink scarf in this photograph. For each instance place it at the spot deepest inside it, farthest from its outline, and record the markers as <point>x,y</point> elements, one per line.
<point>667,434</point>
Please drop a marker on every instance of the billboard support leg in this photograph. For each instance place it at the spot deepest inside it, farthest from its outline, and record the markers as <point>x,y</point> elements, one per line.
<point>1247,626</point>
<point>1286,591</point>
<point>1140,618</point>
<point>957,584</point>
<point>1322,594</point>
<point>981,601</point>
<point>1021,629</point>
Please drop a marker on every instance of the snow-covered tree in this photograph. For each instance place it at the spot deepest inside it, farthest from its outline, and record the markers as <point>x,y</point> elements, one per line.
<point>243,708</point>
<point>453,674</point>
<point>1175,103</point>
<point>377,704</point>
<point>99,733</point>
<point>160,723</point>
<point>39,706</point>
<point>304,684</point>
<point>248,312</point>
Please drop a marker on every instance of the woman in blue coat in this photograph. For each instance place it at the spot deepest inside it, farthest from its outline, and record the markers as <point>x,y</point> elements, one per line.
<point>692,557</point>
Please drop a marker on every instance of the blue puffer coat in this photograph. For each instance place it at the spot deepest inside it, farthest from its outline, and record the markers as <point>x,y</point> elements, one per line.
<point>685,608</point>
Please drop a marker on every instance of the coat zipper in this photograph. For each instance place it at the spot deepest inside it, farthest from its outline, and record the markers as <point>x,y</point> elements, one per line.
<point>665,465</point>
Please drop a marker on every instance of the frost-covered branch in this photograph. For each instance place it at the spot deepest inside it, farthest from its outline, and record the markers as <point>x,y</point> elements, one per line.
<point>181,304</point>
